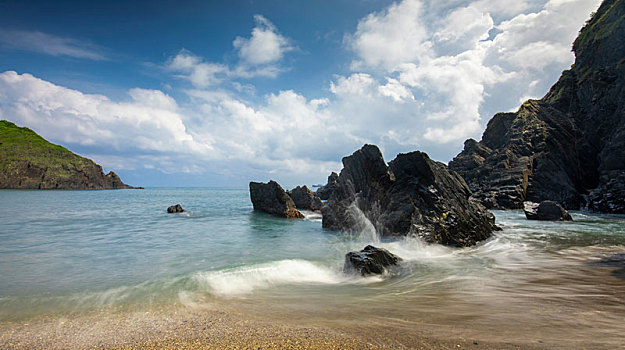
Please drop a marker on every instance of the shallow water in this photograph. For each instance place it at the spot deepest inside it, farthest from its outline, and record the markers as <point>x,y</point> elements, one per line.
<point>77,251</point>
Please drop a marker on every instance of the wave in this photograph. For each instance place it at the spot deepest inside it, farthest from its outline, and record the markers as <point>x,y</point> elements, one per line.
<point>311,215</point>
<point>244,280</point>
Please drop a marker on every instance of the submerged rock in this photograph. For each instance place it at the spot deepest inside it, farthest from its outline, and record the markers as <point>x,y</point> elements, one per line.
<point>568,146</point>
<point>370,260</point>
<point>324,192</point>
<point>412,195</point>
<point>175,209</point>
<point>546,211</point>
<point>305,199</point>
<point>271,198</point>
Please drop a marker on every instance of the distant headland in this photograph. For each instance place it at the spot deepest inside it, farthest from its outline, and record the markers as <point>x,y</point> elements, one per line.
<point>28,161</point>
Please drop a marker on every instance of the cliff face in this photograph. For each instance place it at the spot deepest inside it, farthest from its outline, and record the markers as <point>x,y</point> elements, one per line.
<point>570,145</point>
<point>27,161</point>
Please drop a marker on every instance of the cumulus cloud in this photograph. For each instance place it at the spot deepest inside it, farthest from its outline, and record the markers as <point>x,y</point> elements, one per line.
<point>265,46</point>
<point>536,40</point>
<point>391,37</point>
<point>50,44</point>
<point>259,56</point>
<point>149,122</point>
<point>395,90</point>
<point>464,28</point>
<point>458,64</point>
<point>199,73</point>
<point>150,130</point>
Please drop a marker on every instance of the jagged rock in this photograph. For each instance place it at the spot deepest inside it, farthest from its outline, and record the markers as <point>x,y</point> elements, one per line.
<point>413,195</point>
<point>325,191</point>
<point>304,198</point>
<point>271,198</point>
<point>569,146</point>
<point>531,210</point>
<point>175,209</point>
<point>546,211</point>
<point>609,197</point>
<point>370,260</point>
<point>28,161</point>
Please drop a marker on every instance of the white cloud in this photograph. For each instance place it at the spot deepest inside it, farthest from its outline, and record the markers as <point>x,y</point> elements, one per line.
<point>50,45</point>
<point>199,73</point>
<point>536,40</point>
<point>150,121</point>
<point>502,7</point>
<point>265,46</point>
<point>458,72</point>
<point>357,84</point>
<point>287,133</point>
<point>465,28</point>
<point>391,37</point>
<point>259,56</point>
<point>395,90</point>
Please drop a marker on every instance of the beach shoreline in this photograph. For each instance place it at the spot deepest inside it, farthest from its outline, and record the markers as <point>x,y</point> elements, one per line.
<point>180,327</point>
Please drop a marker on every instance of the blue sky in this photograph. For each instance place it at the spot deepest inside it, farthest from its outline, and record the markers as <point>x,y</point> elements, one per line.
<point>198,93</point>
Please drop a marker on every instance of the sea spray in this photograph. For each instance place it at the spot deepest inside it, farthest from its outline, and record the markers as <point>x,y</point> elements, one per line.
<point>365,228</point>
<point>244,280</point>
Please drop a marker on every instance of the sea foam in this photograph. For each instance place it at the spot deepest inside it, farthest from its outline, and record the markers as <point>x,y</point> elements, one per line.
<point>244,280</point>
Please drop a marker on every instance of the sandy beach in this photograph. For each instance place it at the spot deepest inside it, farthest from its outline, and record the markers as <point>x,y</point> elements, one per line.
<point>184,328</point>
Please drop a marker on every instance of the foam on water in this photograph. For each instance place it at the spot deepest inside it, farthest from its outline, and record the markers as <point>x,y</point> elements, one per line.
<point>244,280</point>
<point>311,215</point>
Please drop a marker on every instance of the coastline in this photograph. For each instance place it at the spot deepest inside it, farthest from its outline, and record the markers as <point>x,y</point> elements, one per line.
<point>179,327</point>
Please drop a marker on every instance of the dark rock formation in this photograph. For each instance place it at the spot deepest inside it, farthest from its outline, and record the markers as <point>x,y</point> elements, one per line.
<point>546,211</point>
<point>569,146</point>
<point>370,260</point>
<point>413,195</point>
<point>28,161</point>
<point>175,209</point>
<point>271,198</point>
<point>324,191</point>
<point>304,198</point>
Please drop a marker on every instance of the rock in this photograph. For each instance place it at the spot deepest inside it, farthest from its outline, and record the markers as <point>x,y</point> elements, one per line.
<point>324,192</point>
<point>370,260</point>
<point>531,210</point>
<point>413,195</point>
<point>304,198</point>
<point>569,146</point>
<point>609,197</point>
<point>546,211</point>
<point>175,209</point>
<point>271,198</point>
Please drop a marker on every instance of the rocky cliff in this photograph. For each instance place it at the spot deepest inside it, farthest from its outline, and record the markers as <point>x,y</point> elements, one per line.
<point>28,161</point>
<point>570,145</point>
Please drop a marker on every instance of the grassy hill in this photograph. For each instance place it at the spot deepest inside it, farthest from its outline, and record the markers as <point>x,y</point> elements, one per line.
<point>28,161</point>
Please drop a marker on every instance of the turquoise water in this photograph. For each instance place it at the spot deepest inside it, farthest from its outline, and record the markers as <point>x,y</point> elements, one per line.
<point>77,251</point>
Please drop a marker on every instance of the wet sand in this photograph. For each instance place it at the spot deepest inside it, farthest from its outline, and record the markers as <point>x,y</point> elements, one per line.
<point>184,328</point>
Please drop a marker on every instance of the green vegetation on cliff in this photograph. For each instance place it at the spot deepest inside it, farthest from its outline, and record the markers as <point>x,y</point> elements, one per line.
<point>28,161</point>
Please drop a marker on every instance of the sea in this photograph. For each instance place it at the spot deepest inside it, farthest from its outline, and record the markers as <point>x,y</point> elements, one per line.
<point>66,253</point>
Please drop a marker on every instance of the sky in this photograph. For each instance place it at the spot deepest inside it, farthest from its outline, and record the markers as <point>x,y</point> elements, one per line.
<point>220,93</point>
